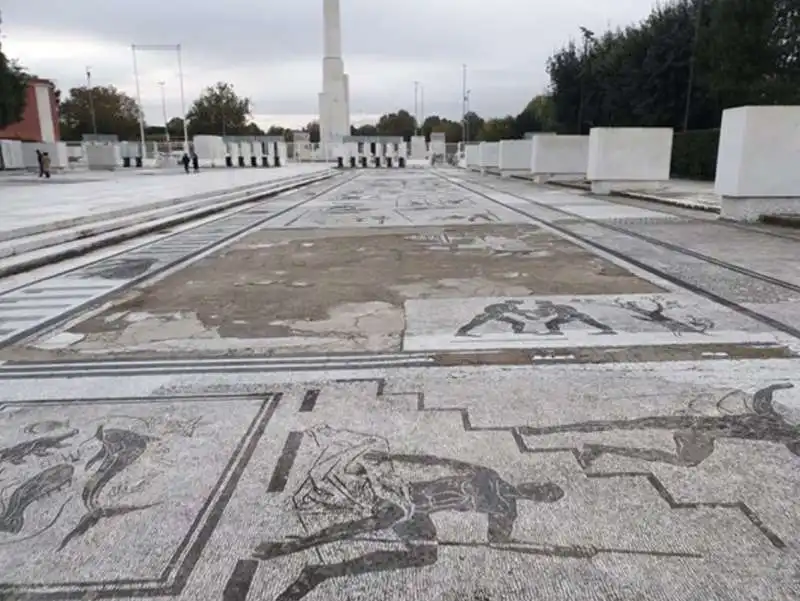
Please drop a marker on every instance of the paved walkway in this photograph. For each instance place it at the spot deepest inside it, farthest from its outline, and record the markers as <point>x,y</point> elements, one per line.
<point>678,192</point>
<point>29,202</point>
<point>413,386</point>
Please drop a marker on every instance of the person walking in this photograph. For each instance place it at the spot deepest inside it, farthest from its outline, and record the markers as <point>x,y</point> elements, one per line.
<point>44,165</point>
<point>195,162</point>
<point>185,160</point>
<point>39,158</point>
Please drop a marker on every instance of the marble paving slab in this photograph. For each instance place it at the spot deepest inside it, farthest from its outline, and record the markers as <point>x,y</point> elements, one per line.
<point>576,321</point>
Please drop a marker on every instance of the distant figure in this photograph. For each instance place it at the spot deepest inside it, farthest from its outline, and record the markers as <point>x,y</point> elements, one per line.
<point>45,165</point>
<point>39,158</point>
<point>195,162</point>
<point>185,160</point>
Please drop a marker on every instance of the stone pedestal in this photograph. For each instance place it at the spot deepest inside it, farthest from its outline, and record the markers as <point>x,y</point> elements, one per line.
<point>514,157</point>
<point>628,157</point>
<point>558,157</point>
<point>758,164</point>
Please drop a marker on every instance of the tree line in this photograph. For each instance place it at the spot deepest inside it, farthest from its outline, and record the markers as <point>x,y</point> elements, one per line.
<point>680,67</point>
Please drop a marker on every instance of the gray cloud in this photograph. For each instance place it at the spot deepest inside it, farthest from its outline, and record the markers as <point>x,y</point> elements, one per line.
<point>271,49</point>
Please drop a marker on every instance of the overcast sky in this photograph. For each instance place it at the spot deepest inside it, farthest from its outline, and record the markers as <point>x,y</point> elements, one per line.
<point>270,50</point>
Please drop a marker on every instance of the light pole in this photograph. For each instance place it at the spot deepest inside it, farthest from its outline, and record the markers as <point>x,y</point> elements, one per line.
<point>143,150</point>
<point>183,101</point>
<point>464,103</point>
<point>587,36</point>
<point>422,104</point>
<point>416,105</point>
<point>164,110</point>
<point>91,99</point>
<point>692,60</point>
<point>466,121</point>
<point>177,48</point>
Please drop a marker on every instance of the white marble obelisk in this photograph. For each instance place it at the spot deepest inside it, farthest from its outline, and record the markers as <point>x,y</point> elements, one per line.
<point>334,101</point>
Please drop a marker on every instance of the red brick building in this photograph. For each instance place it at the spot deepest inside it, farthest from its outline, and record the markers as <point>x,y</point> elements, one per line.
<point>40,118</point>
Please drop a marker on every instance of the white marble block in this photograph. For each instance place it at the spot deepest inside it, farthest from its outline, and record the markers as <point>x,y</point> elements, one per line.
<point>13,157</point>
<point>625,157</point>
<point>57,151</point>
<point>489,159</point>
<point>419,148</point>
<point>210,150</point>
<point>102,157</point>
<point>438,144</point>
<point>283,152</point>
<point>758,164</point>
<point>472,156</point>
<point>246,151</point>
<point>514,157</point>
<point>558,157</point>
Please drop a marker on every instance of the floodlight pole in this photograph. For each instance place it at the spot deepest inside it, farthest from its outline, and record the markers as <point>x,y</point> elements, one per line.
<point>139,101</point>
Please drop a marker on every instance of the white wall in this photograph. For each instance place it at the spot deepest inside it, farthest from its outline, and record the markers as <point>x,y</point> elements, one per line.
<point>514,156</point>
<point>625,155</point>
<point>559,155</point>
<point>489,155</point>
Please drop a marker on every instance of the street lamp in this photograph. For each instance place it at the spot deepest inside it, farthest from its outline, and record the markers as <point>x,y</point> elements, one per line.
<point>164,109</point>
<point>464,103</point>
<point>416,105</point>
<point>422,103</point>
<point>692,60</point>
<point>177,48</point>
<point>466,121</point>
<point>91,99</point>
<point>588,35</point>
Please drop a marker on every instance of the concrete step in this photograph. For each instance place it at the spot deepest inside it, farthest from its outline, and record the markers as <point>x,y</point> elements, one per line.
<point>101,216</point>
<point>21,255</point>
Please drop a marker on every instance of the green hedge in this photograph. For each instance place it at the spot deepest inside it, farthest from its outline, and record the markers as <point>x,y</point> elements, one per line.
<point>694,154</point>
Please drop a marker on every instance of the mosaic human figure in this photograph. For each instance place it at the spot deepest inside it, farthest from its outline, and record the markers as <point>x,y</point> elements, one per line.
<point>692,325</point>
<point>507,312</point>
<point>694,435</point>
<point>561,315</point>
<point>469,488</point>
